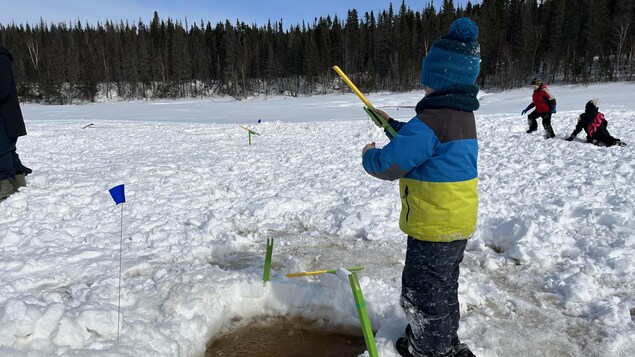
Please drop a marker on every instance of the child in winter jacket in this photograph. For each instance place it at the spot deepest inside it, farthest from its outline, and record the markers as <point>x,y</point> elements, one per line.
<point>545,104</point>
<point>434,156</point>
<point>595,126</point>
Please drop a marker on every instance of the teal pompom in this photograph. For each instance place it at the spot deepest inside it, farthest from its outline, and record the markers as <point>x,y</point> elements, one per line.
<point>463,30</point>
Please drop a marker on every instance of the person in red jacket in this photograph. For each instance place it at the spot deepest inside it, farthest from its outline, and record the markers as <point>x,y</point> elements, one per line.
<point>545,104</point>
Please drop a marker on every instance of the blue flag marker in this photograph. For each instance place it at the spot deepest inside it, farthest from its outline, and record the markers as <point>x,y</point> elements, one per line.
<point>117,194</point>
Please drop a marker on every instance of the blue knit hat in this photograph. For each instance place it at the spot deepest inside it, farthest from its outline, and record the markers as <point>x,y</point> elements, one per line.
<point>453,59</point>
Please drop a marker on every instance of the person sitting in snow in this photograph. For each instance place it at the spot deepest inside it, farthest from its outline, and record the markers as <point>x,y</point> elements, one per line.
<point>434,156</point>
<point>595,125</point>
<point>545,104</point>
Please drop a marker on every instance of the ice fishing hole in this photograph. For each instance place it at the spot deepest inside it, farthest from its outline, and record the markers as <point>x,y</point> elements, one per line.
<point>281,337</point>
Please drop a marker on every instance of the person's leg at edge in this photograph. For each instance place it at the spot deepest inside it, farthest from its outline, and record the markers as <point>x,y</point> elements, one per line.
<point>7,147</point>
<point>8,185</point>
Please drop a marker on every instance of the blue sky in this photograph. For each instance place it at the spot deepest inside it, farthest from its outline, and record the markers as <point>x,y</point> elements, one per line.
<point>249,11</point>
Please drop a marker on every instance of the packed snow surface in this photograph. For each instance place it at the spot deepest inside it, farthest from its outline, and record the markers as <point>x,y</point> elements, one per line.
<point>549,272</point>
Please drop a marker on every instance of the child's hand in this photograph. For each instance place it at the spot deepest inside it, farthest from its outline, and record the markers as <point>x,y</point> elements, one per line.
<point>368,146</point>
<point>382,113</point>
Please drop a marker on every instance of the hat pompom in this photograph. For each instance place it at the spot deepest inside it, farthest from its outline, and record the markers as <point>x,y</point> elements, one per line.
<point>453,59</point>
<point>592,105</point>
<point>463,30</point>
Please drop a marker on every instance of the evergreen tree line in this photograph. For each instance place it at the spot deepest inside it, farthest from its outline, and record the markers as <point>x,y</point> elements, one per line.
<point>569,41</point>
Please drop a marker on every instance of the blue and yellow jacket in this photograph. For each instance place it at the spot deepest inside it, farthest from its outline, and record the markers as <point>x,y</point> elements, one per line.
<point>434,156</point>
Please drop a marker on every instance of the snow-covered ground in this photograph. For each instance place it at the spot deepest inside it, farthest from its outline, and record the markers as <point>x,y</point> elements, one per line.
<point>550,272</point>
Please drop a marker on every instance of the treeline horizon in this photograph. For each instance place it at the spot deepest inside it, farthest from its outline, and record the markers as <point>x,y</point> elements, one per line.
<point>560,41</point>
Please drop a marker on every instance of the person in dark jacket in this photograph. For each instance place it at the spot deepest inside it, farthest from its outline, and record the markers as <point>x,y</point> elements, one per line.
<point>12,172</point>
<point>434,157</point>
<point>593,122</point>
<point>545,104</point>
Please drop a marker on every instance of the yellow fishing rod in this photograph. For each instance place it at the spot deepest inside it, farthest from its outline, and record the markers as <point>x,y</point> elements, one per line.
<point>251,132</point>
<point>369,109</point>
<point>318,272</point>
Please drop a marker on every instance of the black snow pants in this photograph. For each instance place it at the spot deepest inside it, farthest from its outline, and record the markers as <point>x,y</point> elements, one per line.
<point>546,123</point>
<point>429,295</point>
<point>602,137</point>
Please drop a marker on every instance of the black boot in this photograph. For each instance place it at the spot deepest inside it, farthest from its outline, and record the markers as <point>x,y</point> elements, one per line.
<point>617,142</point>
<point>546,124</point>
<point>460,350</point>
<point>548,130</point>
<point>402,347</point>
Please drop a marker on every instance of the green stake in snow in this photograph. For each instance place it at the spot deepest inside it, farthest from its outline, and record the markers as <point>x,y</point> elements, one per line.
<point>265,275</point>
<point>363,315</point>
<point>251,132</point>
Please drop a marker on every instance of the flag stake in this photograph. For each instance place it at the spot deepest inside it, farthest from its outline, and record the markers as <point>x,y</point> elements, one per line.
<point>118,195</point>
<point>265,275</point>
<point>251,132</point>
<point>363,315</point>
<point>120,250</point>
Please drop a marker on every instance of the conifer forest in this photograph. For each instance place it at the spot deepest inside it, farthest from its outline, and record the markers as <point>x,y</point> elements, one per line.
<point>560,41</point>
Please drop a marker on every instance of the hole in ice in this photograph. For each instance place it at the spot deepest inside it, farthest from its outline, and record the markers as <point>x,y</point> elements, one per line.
<point>236,261</point>
<point>240,261</point>
<point>633,314</point>
<point>282,337</point>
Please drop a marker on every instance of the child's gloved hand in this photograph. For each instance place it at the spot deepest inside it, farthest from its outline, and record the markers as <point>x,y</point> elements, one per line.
<point>382,113</point>
<point>553,109</point>
<point>367,147</point>
<point>376,115</point>
<point>526,109</point>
